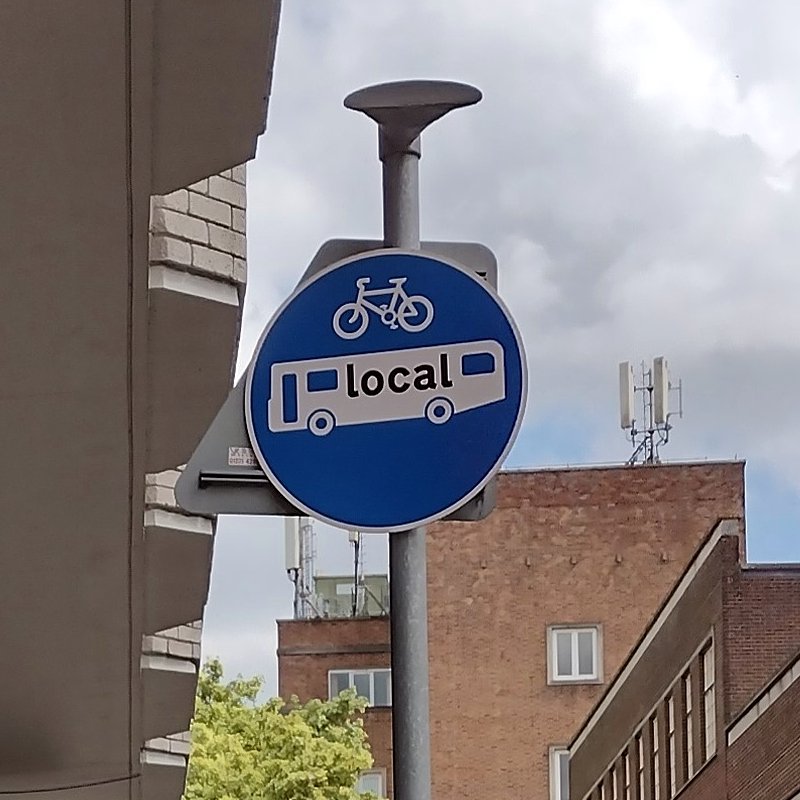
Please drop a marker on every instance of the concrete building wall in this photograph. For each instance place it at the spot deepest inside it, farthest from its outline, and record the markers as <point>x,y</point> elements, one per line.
<point>197,247</point>
<point>112,368</point>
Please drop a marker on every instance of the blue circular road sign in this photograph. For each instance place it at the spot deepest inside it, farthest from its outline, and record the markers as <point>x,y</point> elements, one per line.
<point>386,391</point>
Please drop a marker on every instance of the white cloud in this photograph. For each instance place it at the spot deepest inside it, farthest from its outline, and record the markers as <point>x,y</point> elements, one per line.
<point>631,165</point>
<point>649,44</point>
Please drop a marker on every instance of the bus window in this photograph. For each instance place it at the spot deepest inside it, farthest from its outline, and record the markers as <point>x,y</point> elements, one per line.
<point>289,397</point>
<point>323,380</point>
<point>477,364</point>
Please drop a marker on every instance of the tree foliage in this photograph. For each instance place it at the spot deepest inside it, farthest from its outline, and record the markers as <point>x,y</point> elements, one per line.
<point>243,749</point>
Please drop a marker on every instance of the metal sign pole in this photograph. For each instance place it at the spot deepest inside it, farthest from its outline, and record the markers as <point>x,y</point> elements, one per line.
<point>407,559</point>
<point>402,111</point>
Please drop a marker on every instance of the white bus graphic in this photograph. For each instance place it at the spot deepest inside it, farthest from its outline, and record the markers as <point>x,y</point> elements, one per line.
<point>431,382</point>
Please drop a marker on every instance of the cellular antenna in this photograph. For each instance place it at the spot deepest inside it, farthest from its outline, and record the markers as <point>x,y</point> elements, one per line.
<point>300,564</point>
<point>651,428</point>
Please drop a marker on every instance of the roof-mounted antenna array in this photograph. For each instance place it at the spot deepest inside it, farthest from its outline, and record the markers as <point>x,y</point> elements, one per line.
<point>649,431</point>
<point>300,564</point>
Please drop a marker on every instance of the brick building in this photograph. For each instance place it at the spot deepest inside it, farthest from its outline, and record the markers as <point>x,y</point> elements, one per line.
<point>529,612</point>
<point>707,705</point>
<point>312,654</point>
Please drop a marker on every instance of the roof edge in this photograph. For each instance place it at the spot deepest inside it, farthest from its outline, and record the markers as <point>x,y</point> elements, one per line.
<point>730,526</point>
<point>620,465</point>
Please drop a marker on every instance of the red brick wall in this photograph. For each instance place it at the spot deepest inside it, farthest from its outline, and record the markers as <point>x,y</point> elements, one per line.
<point>307,649</point>
<point>332,635</point>
<point>570,546</point>
<point>762,631</point>
<point>710,782</point>
<point>564,546</point>
<point>659,670</point>
<point>764,762</point>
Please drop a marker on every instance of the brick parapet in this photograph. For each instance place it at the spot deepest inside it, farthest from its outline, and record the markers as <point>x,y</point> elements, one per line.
<point>764,762</point>
<point>201,229</point>
<point>182,641</point>
<point>177,744</point>
<point>762,630</point>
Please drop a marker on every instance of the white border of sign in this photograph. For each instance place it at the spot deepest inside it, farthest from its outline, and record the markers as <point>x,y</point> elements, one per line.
<point>490,473</point>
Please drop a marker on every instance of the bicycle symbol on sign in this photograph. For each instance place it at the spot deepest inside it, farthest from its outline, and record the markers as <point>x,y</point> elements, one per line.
<point>413,313</point>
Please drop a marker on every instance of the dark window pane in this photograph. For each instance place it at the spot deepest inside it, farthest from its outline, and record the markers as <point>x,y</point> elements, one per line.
<point>361,682</point>
<point>339,682</point>
<point>370,782</point>
<point>381,679</point>
<point>563,776</point>
<point>586,665</point>
<point>563,654</point>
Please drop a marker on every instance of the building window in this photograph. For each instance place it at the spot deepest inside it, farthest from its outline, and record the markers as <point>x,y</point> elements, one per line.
<point>671,760</point>
<point>614,784</point>
<point>709,702</point>
<point>626,775</point>
<point>559,773</point>
<point>574,654</point>
<point>656,772</point>
<point>640,765</point>
<point>374,781</point>
<point>373,684</point>
<point>688,727</point>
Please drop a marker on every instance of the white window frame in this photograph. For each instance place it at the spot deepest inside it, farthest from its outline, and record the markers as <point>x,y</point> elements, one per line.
<point>655,770</point>
<point>709,702</point>
<point>381,774</point>
<point>553,676</point>
<point>672,761</point>
<point>626,774</point>
<point>556,754</point>
<point>640,763</point>
<point>351,673</point>
<point>689,726</point>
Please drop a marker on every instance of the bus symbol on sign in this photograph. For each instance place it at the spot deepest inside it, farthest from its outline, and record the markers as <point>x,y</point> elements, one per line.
<point>421,382</point>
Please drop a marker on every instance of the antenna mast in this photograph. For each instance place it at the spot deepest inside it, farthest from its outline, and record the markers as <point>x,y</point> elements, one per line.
<point>653,388</point>
<point>358,572</point>
<point>300,566</point>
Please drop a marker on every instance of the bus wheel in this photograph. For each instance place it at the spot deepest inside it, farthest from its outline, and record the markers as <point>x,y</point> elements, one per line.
<point>439,410</point>
<point>321,422</point>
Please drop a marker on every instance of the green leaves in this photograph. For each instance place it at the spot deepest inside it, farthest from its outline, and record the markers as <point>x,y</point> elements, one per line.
<point>246,750</point>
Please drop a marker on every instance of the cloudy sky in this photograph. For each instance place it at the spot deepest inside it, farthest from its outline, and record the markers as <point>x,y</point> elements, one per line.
<point>633,165</point>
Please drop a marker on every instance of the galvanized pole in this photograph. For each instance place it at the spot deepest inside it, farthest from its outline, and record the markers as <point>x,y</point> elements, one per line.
<point>407,561</point>
<point>402,111</point>
<point>400,192</point>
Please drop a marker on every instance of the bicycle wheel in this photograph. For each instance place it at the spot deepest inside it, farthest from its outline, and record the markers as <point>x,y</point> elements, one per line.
<point>415,313</point>
<point>350,321</point>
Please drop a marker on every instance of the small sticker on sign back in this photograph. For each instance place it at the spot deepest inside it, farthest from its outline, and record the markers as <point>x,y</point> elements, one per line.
<point>241,457</point>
